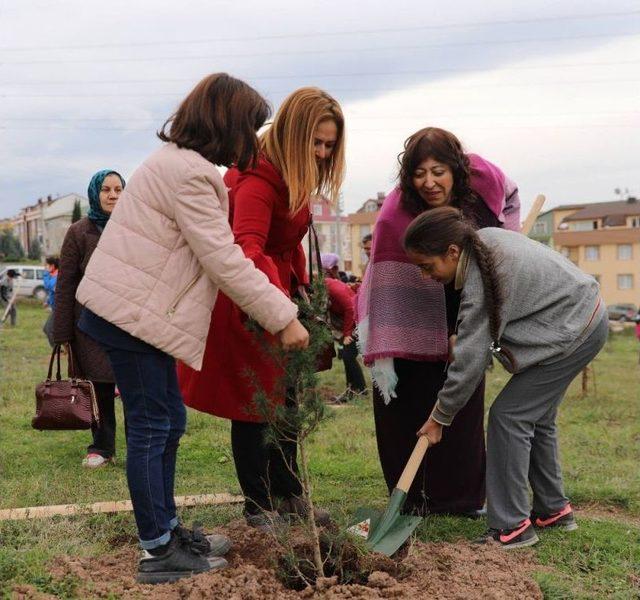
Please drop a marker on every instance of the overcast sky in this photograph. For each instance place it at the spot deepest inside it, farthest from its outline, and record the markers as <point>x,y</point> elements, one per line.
<point>548,90</point>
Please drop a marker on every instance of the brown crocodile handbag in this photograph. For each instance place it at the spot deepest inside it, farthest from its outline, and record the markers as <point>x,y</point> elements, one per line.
<point>65,403</point>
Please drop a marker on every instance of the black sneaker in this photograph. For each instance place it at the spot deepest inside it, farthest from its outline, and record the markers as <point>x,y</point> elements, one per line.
<point>177,562</point>
<point>519,537</point>
<point>267,521</point>
<point>563,519</point>
<point>294,509</point>
<point>348,395</point>
<point>341,399</point>
<point>207,545</point>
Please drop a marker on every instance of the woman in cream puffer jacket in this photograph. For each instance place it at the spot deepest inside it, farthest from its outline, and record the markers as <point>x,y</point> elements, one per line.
<point>148,292</point>
<point>167,250</point>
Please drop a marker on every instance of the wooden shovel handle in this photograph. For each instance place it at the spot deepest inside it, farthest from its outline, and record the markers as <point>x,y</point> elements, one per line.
<point>409,473</point>
<point>533,214</point>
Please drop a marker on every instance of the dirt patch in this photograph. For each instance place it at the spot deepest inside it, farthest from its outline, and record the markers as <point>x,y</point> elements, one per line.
<point>601,512</point>
<point>438,570</point>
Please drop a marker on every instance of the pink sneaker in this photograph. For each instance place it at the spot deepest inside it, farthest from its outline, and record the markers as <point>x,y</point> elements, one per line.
<point>563,519</point>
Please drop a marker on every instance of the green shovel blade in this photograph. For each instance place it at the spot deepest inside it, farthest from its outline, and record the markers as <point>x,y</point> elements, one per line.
<point>389,530</point>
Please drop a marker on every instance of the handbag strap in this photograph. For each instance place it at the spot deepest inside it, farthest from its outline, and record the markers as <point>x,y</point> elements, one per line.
<point>313,235</point>
<point>71,365</point>
<point>55,353</point>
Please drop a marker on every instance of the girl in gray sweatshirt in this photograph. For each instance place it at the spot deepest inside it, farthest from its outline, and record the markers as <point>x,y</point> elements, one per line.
<point>544,320</point>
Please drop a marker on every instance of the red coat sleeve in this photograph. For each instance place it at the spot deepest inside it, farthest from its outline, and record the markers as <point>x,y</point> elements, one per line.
<point>254,201</point>
<point>341,297</point>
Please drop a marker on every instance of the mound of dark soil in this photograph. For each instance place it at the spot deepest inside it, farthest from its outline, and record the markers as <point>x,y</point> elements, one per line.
<point>438,570</point>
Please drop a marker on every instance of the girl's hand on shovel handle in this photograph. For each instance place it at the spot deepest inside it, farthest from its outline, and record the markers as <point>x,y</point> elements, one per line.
<point>433,430</point>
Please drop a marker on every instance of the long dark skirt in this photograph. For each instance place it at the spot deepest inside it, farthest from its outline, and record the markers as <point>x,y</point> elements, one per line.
<point>452,477</point>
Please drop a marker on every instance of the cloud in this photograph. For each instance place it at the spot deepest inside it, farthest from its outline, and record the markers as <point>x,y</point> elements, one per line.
<point>556,129</point>
<point>66,112</point>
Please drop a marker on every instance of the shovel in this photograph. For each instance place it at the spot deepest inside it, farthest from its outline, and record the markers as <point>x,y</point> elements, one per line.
<point>386,532</point>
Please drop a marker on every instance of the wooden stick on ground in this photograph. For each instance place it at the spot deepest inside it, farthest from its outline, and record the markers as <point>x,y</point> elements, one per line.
<point>39,512</point>
<point>533,214</point>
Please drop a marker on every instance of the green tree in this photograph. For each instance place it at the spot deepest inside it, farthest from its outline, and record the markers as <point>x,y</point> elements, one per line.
<point>300,419</point>
<point>10,247</point>
<point>76,215</point>
<point>35,250</point>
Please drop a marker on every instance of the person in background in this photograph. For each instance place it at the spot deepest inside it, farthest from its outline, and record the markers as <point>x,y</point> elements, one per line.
<point>148,292</point>
<point>302,154</point>
<point>366,244</point>
<point>406,324</point>
<point>90,359</point>
<point>341,310</point>
<point>50,279</point>
<point>9,294</point>
<point>638,330</point>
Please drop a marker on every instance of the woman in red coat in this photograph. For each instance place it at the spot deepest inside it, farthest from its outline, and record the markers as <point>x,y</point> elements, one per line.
<point>302,154</point>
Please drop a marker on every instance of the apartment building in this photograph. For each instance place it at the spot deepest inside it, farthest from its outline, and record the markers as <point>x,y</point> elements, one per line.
<point>332,229</point>
<point>362,223</point>
<point>342,234</point>
<point>603,239</point>
<point>47,221</point>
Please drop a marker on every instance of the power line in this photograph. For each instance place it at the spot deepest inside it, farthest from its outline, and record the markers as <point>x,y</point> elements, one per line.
<point>308,35</point>
<point>320,51</point>
<point>341,90</point>
<point>355,74</point>
<point>360,74</point>
<point>378,130</point>
<point>158,119</point>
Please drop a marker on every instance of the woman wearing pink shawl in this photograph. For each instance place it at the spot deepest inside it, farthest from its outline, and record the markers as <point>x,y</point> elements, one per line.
<point>405,323</point>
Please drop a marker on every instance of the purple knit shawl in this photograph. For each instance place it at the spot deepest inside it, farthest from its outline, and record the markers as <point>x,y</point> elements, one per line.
<point>400,314</point>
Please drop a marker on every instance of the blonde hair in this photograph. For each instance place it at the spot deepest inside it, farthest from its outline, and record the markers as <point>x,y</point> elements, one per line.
<point>288,144</point>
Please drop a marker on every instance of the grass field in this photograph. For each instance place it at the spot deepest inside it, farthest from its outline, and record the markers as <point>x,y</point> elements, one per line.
<point>600,443</point>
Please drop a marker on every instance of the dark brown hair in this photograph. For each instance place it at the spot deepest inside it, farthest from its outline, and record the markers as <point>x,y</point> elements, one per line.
<point>219,120</point>
<point>431,234</point>
<point>52,260</point>
<point>440,145</point>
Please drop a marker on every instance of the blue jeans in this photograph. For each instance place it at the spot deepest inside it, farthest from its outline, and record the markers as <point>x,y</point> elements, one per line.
<point>156,417</point>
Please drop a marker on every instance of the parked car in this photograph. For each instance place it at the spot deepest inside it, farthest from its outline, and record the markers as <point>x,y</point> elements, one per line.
<point>30,284</point>
<point>622,312</point>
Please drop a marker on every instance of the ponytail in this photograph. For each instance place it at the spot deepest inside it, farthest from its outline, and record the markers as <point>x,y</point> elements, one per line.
<point>485,259</point>
<point>431,234</point>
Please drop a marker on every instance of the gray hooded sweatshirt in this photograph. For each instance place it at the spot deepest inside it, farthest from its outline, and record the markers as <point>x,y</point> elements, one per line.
<point>550,307</point>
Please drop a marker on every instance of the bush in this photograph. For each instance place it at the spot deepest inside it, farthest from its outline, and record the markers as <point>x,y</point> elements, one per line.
<point>76,215</point>
<point>35,250</point>
<point>10,247</point>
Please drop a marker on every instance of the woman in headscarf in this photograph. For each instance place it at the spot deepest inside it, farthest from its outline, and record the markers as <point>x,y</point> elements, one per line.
<point>90,360</point>
<point>406,325</point>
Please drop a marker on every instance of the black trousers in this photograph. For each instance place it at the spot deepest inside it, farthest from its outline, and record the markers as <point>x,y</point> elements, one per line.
<point>266,471</point>
<point>452,476</point>
<point>48,329</point>
<point>104,437</point>
<point>352,368</point>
